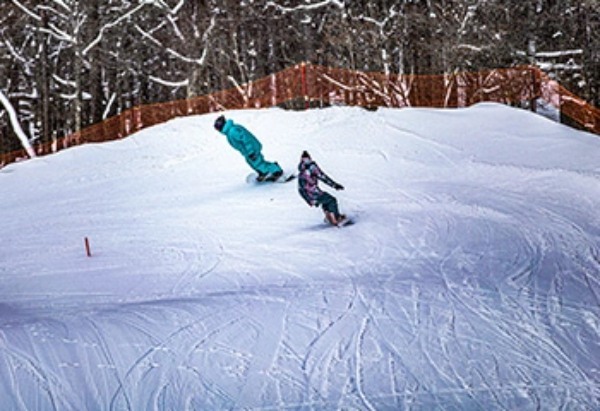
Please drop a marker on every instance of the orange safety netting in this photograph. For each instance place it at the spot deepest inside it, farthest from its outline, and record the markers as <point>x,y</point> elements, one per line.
<point>307,85</point>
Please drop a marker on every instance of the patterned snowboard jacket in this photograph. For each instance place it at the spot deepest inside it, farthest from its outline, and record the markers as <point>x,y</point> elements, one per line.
<point>309,175</point>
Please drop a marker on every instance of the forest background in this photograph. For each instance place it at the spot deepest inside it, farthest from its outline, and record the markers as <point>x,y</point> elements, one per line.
<point>67,64</point>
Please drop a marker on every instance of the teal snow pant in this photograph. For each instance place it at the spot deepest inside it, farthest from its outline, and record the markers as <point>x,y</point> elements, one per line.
<point>262,166</point>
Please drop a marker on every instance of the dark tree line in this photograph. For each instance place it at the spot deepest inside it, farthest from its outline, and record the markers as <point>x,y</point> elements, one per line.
<point>66,64</point>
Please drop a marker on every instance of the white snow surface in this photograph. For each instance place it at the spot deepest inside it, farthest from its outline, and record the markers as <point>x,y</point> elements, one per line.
<point>470,280</point>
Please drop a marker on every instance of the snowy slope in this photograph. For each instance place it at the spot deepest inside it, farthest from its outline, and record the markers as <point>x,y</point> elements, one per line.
<point>470,281</point>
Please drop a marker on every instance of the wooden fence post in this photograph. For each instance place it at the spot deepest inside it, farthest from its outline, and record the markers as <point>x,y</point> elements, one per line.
<point>304,85</point>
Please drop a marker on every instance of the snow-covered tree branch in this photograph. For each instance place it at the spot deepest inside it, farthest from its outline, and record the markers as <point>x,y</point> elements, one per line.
<point>12,114</point>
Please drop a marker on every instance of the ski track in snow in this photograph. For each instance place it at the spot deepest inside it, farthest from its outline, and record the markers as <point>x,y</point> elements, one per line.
<point>465,284</point>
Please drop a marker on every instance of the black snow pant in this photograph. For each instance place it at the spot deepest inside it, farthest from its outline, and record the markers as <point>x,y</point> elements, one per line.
<point>329,203</point>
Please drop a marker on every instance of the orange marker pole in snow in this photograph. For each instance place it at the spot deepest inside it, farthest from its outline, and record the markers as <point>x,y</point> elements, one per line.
<point>87,247</point>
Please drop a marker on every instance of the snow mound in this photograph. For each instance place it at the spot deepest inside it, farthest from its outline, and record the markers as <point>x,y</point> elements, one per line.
<point>471,279</point>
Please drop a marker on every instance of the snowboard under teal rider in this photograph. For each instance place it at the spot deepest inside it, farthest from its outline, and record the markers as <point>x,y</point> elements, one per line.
<point>249,146</point>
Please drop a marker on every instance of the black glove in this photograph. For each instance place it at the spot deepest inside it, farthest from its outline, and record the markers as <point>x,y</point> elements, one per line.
<point>252,156</point>
<point>338,186</point>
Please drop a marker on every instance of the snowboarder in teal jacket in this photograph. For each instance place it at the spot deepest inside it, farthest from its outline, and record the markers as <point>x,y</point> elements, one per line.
<point>249,146</point>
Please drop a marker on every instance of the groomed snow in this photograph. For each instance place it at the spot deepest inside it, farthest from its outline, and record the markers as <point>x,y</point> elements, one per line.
<point>471,279</point>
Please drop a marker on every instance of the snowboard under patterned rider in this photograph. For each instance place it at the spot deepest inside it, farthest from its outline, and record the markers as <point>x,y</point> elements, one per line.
<point>249,146</point>
<point>309,175</point>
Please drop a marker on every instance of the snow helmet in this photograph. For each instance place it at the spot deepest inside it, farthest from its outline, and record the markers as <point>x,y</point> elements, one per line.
<point>219,123</point>
<point>305,154</point>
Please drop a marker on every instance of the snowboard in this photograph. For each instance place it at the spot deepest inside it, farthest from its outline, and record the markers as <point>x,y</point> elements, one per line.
<point>284,178</point>
<point>348,221</point>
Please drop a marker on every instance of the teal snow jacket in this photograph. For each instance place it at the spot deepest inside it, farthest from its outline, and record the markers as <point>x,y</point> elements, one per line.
<point>241,139</point>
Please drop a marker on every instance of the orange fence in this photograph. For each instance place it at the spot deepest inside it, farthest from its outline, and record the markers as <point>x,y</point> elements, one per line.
<point>308,85</point>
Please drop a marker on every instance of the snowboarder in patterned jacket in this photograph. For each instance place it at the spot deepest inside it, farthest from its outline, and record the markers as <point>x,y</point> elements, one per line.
<point>249,146</point>
<point>309,175</point>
